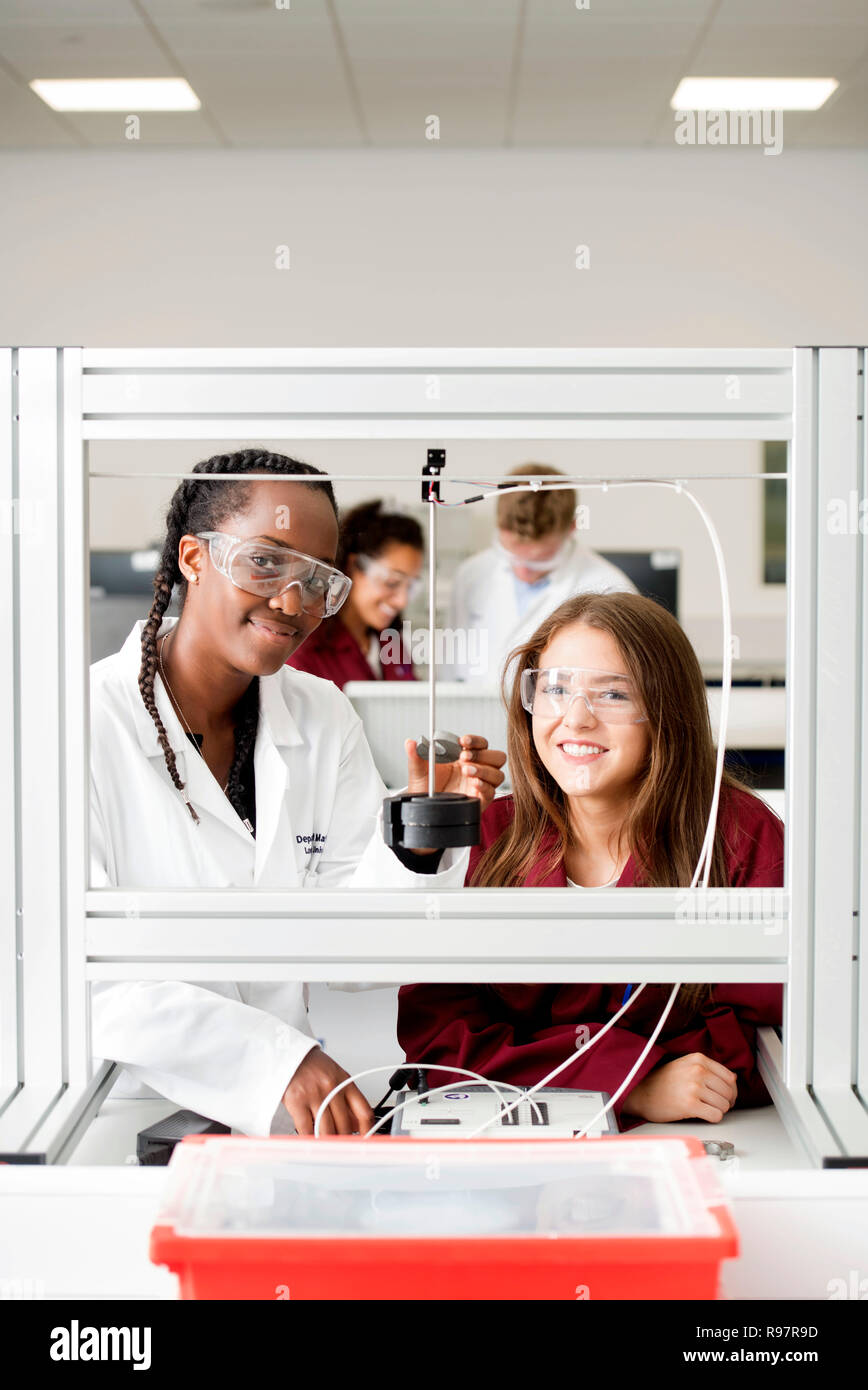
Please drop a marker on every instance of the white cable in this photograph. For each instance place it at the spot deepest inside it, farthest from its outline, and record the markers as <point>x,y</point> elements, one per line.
<point>523,483</point>
<point>417,1066</point>
<point>726,681</point>
<point>604,1110</point>
<point>568,1061</point>
<point>704,863</point>
<point>450,1086</point>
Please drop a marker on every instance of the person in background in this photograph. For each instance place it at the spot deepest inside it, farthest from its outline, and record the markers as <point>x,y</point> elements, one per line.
<point>535,562</point>
<point>382,552</point>
<point>613,765</point>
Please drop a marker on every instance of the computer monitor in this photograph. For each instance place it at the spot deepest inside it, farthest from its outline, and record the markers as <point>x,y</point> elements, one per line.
<point>121,592</point>
<point>654,572</point>
<point>124,571</point>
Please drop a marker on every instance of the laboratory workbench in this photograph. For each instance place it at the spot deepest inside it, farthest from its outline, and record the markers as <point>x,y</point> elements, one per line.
<point>760,1140</point>
<point>82,1233</point>
<point>81,1230</point>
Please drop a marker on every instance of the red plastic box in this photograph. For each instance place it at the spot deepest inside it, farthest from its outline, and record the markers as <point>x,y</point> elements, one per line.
<point>620,1217</point>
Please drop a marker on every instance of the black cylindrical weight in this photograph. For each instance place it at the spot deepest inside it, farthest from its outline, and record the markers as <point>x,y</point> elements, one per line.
<point>414,821</point>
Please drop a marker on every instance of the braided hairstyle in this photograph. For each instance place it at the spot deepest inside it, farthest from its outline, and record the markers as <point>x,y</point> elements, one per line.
<point>196,507</point>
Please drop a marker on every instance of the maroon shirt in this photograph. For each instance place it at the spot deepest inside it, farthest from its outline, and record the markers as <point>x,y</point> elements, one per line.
<point>331,651</point>
<point>518,1033</point>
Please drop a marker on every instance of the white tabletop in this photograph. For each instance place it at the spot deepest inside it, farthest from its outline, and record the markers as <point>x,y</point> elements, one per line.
<point>760,1140</point>
<point>81,1230</point>
<point>82,1233</point>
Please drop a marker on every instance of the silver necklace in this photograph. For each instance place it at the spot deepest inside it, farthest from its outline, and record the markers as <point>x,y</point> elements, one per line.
<point>174,700</point>
<point>244,821</point>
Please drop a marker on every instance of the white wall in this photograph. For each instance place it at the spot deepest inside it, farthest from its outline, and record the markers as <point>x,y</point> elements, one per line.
<point>129,514</point>
<point>688,248</point>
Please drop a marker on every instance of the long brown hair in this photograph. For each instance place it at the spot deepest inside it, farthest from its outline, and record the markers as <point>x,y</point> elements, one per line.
<point>665,826</point>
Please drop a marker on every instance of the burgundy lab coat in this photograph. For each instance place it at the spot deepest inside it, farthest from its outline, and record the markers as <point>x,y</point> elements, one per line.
<point>332,651</point>
<point>518,1033</point>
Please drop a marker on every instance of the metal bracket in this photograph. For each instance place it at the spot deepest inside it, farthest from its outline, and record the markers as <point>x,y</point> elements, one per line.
<point>432,469</point>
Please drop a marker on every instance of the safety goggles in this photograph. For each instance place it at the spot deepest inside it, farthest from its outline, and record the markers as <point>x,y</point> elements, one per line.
<point>269,570</point>
<point>539,566</point>
<point>609,696</point>
<point>393,581</point>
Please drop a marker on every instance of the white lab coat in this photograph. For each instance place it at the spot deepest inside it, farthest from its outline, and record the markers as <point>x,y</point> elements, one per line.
<point>483,602</point>
<point>229,1050</point>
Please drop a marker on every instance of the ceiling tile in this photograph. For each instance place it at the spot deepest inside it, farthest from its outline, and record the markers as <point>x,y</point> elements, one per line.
<point>107,129</point>
<point>356,73</point>
<point>26,122</point>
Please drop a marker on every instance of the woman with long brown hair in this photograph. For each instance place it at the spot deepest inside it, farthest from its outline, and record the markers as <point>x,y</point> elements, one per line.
<point>613,766</point>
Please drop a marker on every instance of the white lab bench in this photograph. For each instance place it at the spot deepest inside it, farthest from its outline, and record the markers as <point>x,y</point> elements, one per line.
<point>81,1230</point>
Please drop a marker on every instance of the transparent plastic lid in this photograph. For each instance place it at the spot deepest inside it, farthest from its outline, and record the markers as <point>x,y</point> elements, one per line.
<point>321,1188</point>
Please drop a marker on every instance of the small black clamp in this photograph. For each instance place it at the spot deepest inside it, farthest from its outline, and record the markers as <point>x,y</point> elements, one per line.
<point>432,469</point>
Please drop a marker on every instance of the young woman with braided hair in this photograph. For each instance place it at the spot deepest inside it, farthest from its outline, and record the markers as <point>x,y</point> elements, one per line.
<point>214,764</point>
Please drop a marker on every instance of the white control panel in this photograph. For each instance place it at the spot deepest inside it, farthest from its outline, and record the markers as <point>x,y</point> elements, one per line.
<point>551,1113</point>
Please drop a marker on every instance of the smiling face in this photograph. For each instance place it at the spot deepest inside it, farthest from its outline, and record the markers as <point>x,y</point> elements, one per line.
<point>586,756</point>
<point>251,633</point>
<point>378,597</point>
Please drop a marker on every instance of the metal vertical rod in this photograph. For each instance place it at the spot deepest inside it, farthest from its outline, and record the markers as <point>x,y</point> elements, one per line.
<point>801,731</point>
<point>74,653</point>
<point>837,727</point>
<point>861,946</point>
<point>824,745</point>
<point>40,746</point>
<point>432,571</point>
<point>10,967</point>
<point>41,623</point>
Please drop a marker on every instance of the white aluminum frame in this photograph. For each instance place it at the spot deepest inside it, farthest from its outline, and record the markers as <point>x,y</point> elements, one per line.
<point>827,753</point>
<point>67,934</point>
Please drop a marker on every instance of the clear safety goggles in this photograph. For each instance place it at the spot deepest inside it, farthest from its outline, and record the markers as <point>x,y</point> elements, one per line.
<point>538,566</point>
<point>393,581</point>
<point>609,696</point>
<point>269,570</point>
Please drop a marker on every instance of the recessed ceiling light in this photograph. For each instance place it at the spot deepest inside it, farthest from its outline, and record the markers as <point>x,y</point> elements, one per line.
<point>116,94</point>
<point>752,93</point>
